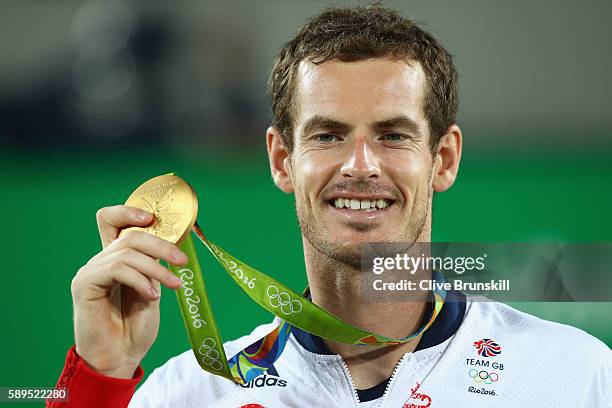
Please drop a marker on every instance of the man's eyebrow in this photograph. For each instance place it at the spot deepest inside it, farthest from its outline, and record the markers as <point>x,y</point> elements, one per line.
<point>319,122</point>
<point>398,122</point>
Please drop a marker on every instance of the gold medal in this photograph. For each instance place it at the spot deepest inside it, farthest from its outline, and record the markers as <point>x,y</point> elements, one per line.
<point>173,203</point>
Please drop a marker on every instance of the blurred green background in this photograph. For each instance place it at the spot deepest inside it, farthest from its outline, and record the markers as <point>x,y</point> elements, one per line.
<point>104,95</point>
<point>50,231</point>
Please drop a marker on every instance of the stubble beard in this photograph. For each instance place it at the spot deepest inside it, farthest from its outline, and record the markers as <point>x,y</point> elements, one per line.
<point>348,255</point>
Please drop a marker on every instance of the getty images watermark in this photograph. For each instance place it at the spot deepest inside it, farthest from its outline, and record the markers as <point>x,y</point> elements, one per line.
<point>410,264</point>
<point>548,272</point>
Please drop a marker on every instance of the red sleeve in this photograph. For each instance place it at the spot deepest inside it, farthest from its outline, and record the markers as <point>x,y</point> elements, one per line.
<point>88,388</point>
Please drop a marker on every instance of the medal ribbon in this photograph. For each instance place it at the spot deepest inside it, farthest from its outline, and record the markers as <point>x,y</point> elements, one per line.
<point>290,307</point>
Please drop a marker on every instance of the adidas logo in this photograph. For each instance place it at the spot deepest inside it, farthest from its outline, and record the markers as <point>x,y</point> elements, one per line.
<point>269,379</point>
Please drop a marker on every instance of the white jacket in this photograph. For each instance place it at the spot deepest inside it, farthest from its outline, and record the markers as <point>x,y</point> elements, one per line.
<point>540,364</point>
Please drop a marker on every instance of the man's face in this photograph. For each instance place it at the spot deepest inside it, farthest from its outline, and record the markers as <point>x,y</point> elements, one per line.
<point>361,165</point>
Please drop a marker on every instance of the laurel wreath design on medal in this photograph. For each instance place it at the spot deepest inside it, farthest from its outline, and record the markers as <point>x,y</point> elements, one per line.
<point>167,215</point>
<point>173,203</point>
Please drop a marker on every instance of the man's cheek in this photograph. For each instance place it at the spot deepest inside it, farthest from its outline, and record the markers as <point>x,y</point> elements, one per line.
<point>310,189</point>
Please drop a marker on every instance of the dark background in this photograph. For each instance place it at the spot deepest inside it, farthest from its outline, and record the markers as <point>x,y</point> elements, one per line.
<point>98,96</point>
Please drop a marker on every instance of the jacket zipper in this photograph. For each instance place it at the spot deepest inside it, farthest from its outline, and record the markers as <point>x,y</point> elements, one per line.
<point>350,378</point>
<point>354,389</point>
<point>393,374</point>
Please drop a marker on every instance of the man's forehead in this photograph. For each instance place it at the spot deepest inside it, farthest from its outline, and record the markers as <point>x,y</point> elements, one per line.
<point>360,87</point>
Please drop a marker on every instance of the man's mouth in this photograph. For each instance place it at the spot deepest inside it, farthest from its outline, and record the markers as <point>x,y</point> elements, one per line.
<point>362,205</point>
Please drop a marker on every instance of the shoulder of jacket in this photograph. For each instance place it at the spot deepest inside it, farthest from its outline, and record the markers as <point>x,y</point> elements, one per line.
<point>518,324</point>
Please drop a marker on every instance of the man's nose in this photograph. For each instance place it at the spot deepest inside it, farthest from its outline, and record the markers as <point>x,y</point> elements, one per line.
<point>362,163</point>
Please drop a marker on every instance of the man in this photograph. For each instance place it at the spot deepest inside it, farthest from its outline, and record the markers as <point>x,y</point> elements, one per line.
<point>364,105</point>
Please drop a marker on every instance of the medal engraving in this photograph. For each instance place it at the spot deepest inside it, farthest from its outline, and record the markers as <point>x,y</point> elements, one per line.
<point>173,203</point>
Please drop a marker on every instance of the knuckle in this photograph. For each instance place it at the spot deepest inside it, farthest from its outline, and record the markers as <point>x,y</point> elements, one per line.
<point>75,283</point>
<point>79,274</point>
<point>128,238</point>
<point>100,214</point>
<point>127,252</point>
<point>114,265</point>
<point>132,234</point>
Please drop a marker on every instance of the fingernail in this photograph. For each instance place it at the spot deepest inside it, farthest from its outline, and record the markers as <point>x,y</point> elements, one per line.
<point>154,293</point>
<point>144,216</point>
<point>176,281</point>
<point>179,257</point>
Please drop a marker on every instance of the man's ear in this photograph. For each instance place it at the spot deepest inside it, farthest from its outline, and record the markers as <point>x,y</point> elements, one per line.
<point>280,161</point>
<point>446,161</point>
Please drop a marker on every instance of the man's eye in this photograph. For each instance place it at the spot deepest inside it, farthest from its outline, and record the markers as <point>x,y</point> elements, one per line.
<point>326,138</point>
<point>393,137</point>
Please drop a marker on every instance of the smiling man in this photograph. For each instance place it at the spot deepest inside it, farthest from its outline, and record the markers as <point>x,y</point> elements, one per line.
<point>364,105</point>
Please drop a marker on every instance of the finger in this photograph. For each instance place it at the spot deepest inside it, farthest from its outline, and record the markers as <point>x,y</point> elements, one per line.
<point>107,275</point>
<point>147,266</point>
<point>157,286</point>
<point>150,245</point>
<point>112,219</point>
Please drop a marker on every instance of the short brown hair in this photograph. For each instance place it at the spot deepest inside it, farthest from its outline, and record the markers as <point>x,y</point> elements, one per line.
<point>359,33</point>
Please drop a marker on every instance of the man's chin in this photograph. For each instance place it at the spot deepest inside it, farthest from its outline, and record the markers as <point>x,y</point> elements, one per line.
<point>342,252</point>
<point>347,250</point>
<point>358,234</point>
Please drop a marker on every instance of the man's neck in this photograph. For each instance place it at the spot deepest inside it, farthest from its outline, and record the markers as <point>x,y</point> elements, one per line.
<point>337,288</point>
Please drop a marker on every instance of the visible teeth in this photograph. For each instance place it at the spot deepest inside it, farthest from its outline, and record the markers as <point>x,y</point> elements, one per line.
<point>367,205</point>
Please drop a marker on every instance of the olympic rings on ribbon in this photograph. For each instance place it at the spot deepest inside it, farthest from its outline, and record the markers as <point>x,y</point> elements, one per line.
<point>283,299</point>
<point>210,356</point>
<point>483,376</point>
